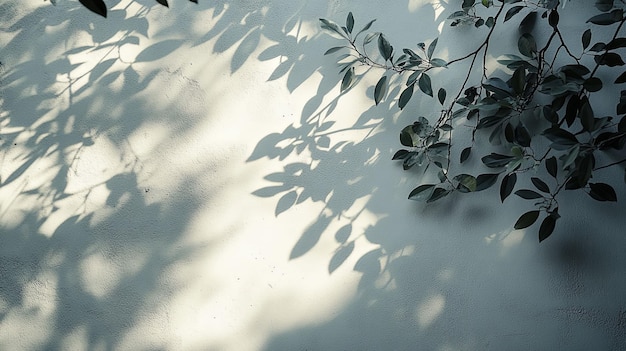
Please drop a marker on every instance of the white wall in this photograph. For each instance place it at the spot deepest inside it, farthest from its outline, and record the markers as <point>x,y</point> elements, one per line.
<point>167,184</point>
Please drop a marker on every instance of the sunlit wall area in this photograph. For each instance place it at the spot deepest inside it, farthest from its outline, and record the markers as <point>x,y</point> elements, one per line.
<point>192,178</point>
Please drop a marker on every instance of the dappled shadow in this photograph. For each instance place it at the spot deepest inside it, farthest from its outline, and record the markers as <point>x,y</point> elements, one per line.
<point>437,277</point>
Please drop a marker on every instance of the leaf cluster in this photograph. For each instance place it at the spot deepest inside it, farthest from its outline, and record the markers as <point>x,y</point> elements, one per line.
<point>538,114</point>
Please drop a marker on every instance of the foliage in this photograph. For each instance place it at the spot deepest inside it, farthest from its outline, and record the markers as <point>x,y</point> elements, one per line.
<point>538,111</point>
<point>100,8</point>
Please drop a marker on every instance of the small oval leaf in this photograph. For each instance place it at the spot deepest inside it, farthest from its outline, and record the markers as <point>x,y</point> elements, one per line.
<point>526,220</point>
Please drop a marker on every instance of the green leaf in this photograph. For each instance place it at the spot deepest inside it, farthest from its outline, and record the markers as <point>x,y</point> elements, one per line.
<point>486,3</point>
<point>424,84</point>
<point>95,6</point>
<point>610,59</point>
<point>528,194</point>
<point>467,4</point>
<point>547,227</point>
<point>467,183</point>
<point>465,154</point>
<point>441,95</point>
<point>163,2</point>
<point>602,192</point>
<point>495,160</point>
<point>380,90</point>
<point>332,27</point>
<point>437,194</point>
<point>400,154</point>
<point>350,22</point>
<point>405,96</point>
<point>431,48</point>
<point>527,45</point>
<point>437,62</point>
<point>561,139</point>
<point>385,48</point>
<point>518,80</point>
<point>485,181</point>
<point>490,22</point>
<point>540,184</point>
<point>512,12</point>
<point>593,84</point>
<point>586,38</point>
<point>507,185</point>
<point>551,166</point>
<point>347,79</point>
<point>587,118</point>
<point>422,192</point>
<point>405,138</point>
<point>522,136</point>
<point>526,220</point>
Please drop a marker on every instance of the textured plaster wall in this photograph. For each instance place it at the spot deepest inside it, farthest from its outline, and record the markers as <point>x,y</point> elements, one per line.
<point>191,179</point>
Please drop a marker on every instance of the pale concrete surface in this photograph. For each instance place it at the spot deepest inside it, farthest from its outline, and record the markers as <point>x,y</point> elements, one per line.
<point>189,179</point>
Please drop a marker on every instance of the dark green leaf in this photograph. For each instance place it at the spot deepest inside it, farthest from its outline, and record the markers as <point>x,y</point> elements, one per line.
<point>405,138</point>
<point>509,132</point>
<point>400,154</point>
<point>163,2</point>
<point>490,22</point>
<point>587,118</point>
<point>526,220</point>
<point>437,62</point>
<point>571,111</point>
<point>380,90</point>
<point>431,48</point>
<point>350,22</point>
<point>385,48</point>
<point>593,84</point>
<point>332,27</point>
<point>96,6</point>
<point>602,192</point>
<point>507,185</point>
<point>495,160</point>
<point>528,194</point>
<point>522,136</point>
<point>347,79</point>
<point>405,96</point>
<point>441,95</point>
<point>484,181</point>
<point>547,227</point>
<point>467,4</point>
<point>518,80</point>
<point>512,12</point>
<point>424,84</point>
<point>540,184</point>
<point>527,45</point>
<point>597,47</point>
<point>561,139</point>
<point>437,194</point>
<point>551,166</point>
<point>610,59</point>
<point>465,153</point>
<point>586,38</point>
<point>467,183</point>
